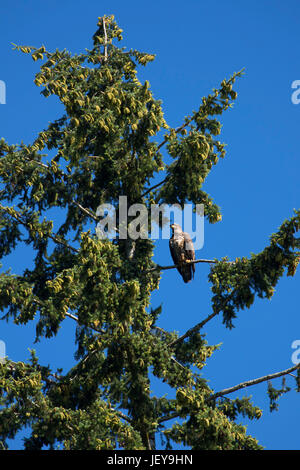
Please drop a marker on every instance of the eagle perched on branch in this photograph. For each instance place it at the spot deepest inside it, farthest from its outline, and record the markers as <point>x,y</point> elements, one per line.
<point>182,251</point>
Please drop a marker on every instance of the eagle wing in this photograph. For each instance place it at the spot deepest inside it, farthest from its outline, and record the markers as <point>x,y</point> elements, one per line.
<point>182,249</point>
<point>189,251</point>
<point>174,250</point>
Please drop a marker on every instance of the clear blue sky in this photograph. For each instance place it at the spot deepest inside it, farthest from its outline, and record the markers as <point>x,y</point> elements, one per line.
<point>197,43</point>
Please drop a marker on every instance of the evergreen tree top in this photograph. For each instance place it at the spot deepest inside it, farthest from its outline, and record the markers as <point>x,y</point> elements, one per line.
<point>108,143</point>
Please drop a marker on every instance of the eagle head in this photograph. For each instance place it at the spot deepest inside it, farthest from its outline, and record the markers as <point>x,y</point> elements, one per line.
<point>176,230</point>
<point>176,227</point>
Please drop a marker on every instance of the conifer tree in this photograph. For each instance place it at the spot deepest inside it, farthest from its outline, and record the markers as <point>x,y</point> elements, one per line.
<point>107,144</point>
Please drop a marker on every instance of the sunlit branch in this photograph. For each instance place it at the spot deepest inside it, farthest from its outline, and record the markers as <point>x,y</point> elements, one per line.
<point>240,386</point>
<point>164,268</point>
<point>153,187</point>
<point>249,383</point>
<point>73,317</point>
<point>170,416</point>
<point>105,38</point>
<point>194,329</point>
<point>86,211</point>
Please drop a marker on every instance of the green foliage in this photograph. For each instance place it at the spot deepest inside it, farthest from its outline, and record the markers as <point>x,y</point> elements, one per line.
<point>234,285</point>
<point>103,147</point>
<point>195,151</point>
<point>274,393</point>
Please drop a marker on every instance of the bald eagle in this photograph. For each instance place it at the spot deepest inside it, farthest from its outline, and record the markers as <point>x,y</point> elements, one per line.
<point>182,250</point>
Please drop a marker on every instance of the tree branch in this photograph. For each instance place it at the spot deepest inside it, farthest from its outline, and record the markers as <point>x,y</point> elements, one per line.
<point>83,209</point>
<point>164,268</point>
<point>159,147</point>
<point>93,327</point>
<point>162,331</point>
<point>249,383</point>
<point>153,187</point>
<point>122,415</point>
<point>194,329</point>
<point>226,391</point>
<point>86,211</point>
<point>55,238</point>
<point>43,165</point>
<point>168,417</point>
<point>183,126</point>
<point>62,242</point>
<point>70,315</point>
<point>105,39</point>
<point>178,129</point>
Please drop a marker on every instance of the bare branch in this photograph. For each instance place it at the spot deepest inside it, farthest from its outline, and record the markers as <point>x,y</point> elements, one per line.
<point>73,317</point>
<point>162,331</point>
<point>62,242</point>
<point>122,415</point>
<point>105,38</point>
<point>86,211</point>
<point>194,329</point>
<point>153,187</point>
<point>168,417</point>
<point>178,363</point>
<point>70,315</point>
<point>200,325</point>
<point>43,165</point>
<point>240,386</point>
<point>164,268</point>
<point>249,383</point>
